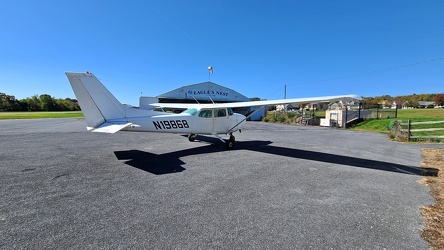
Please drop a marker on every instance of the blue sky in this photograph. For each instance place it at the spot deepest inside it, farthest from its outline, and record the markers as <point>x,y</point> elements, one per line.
<point>317,48</point>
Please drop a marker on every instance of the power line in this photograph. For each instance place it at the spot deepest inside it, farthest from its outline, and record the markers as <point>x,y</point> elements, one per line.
<point>359,74</point>
<point>275,92</point>
<point>371,72</point>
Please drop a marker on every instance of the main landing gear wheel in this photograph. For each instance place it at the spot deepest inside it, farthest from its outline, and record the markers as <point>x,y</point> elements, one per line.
<point>192,137</point>
<point>230,142</point>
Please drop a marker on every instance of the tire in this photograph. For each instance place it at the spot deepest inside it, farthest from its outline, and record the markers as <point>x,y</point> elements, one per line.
<point>229,144</point>
<point>192,137</point>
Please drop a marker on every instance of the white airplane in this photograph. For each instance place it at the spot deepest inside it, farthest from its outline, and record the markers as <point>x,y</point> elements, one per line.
<point>104,113</point>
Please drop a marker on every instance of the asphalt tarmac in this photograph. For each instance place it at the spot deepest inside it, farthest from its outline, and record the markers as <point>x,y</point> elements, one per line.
<point>281,187</point>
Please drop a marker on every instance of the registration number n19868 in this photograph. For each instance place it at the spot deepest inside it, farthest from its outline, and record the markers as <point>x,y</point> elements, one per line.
<point>172,124</point>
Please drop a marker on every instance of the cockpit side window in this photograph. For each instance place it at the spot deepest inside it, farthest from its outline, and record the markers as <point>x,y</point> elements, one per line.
<point>206,113</point>
<point>220,113</point>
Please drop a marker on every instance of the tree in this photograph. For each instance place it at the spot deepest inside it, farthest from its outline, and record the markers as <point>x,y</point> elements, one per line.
<point>8,102</point>
<point>4,102</point>
<point>66,104</point>
<point>37,103</point>
<point>32,103</point>
<point>439,99</point>
<point>46,103</point>
<point>413,104</point>
<point>369,102</point>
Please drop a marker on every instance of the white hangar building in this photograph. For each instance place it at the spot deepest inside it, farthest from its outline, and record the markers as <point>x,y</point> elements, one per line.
<point>205,92</point>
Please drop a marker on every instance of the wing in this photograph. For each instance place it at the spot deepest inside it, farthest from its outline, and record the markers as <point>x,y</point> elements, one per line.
<point>178,105</point>
<point>262,103</point>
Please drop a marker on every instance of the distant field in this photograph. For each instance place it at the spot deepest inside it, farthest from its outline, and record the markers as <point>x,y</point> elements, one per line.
<point>35,115</point>
<point>420,113</point>
<point>415,115</point>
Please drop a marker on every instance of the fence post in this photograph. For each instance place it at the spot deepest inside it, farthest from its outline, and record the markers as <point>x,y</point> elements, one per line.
<point>396,112</point>
<point>408,130</point>
<point>377,111</point>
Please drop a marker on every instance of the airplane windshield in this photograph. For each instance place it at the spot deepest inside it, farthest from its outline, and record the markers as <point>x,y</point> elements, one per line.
<point>190,111</point>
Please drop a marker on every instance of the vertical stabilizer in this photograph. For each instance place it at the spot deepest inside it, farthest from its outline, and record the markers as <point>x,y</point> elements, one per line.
<point>97,103</point>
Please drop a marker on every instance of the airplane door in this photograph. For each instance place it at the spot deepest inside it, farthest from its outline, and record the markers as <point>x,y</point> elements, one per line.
<point>221,124</point>
<point>206,121</point>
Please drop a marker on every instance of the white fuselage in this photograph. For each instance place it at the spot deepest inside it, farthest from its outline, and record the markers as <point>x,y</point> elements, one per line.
<point>204,121</point>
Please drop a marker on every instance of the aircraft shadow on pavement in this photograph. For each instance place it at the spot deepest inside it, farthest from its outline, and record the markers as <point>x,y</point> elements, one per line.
<point>149,162</point>
<point>170,162</point>
<point>167,163</point>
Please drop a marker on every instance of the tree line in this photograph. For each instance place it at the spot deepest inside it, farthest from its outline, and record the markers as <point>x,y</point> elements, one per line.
<point>48,103</point>
<point>407,100</point>
<point>37,103</point>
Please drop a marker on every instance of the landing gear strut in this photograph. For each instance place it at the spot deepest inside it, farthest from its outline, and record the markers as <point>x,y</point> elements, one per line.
<point>229,143</point>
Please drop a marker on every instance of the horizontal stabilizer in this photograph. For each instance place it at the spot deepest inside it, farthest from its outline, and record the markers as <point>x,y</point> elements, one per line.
<point>111,128</point>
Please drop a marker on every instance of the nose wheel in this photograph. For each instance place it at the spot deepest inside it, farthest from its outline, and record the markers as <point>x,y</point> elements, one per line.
<point>192,137</point>
<point>230,142</point>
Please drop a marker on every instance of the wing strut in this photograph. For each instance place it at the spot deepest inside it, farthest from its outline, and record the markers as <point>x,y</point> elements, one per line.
<point>196,100</point>
<point>231,130</point>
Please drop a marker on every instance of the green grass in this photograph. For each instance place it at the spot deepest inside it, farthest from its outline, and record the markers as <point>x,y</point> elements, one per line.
<point>373,125</point>
<point>420,113</point>
<point>35,115</point>
<point>415,115</point>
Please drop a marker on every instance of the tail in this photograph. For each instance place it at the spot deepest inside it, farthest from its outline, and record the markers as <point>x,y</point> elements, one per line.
<point>98,105</point>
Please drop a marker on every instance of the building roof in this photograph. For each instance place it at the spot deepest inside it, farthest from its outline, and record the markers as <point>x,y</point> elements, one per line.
<point>422,103</point>
<point>205,91</point>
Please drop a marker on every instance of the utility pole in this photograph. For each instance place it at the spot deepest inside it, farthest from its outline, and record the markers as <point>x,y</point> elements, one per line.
<point>285,91</point>
<point>285,97</point>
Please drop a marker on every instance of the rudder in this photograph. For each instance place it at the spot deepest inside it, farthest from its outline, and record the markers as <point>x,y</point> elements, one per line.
<point>97,103</point>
